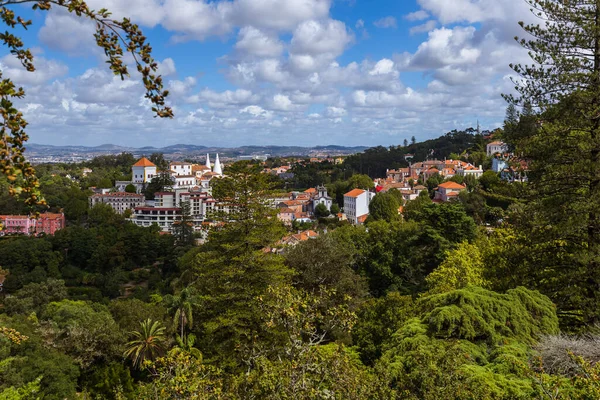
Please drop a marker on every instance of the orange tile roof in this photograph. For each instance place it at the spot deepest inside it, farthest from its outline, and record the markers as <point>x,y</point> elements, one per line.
<point>311,190</point>
<point>362,218</point>
<point>144,162</point>
<point>451,185</point>
<point>354,193</point>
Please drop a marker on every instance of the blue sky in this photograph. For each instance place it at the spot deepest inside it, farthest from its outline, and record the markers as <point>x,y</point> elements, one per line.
<point>285,72</point>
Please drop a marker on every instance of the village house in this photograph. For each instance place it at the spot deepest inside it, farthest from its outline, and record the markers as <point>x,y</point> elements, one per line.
<point>46,223</point>
<point>448,190</point>
<point>356,205</point>
<point>496,147</point>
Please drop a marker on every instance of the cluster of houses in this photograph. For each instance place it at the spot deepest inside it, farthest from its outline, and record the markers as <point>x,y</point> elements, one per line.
<point>190,184</point>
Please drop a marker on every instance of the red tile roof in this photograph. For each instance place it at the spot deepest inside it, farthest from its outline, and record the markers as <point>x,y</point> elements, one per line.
<point>354,193</point>
<point>144,162</point>
<point>451,185</point>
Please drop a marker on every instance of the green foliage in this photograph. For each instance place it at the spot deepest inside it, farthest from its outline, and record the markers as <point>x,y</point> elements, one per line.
<point>321,211</point>
<point>86,332</point>
<point>562,217</point>
<point>323,372</point>
<point>104,380</point>
<point>32,298</point>
<point>30,260</point>
<point>24,362</point>
<point>129,313</point>
<point>130,188</point>
<point>335,209</point>
<point>377,160</point>
<point>462,267</point>
<point>384,206</point>
<point>179,375</point>
<point>327,261</point>
<point>232,268</point>
<point>26,392</point>
<point>148,343</point>
<point>377,320</point>
<point>360,181</point>
<point>469,343</point>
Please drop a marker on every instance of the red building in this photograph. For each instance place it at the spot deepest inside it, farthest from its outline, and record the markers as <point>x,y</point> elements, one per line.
<point>47,223</point>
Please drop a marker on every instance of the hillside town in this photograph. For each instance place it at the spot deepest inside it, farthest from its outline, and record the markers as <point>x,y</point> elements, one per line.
<point>191,184</point>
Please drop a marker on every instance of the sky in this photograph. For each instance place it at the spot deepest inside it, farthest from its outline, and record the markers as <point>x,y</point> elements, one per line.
<point>275,72</point>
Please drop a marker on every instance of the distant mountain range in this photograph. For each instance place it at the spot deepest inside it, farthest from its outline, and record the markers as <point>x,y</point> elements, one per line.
<point>177,151</point>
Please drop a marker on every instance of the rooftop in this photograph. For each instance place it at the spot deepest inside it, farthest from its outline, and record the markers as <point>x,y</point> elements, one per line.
<point>354,193</point>
<point>451,185</point>
<point>144,162</point>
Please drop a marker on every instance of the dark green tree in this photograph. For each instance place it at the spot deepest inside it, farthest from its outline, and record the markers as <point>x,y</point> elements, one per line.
<point>384,206</point>
<point>183,228</point>
<point>321,211</point>
<point>413,140</point>
<point>234,267</point>
<point>563,85</point>
<point>335,209</point>
<point>130,188</point>
<point>360,181</point>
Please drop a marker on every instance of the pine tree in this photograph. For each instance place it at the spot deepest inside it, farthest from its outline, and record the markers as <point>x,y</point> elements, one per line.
<point>563,146</point>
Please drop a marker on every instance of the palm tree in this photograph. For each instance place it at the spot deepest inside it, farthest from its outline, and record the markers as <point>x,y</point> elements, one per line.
<point>149,342</point>
<point>181,304</point>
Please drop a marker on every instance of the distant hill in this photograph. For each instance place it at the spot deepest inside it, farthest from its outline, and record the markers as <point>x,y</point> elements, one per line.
<point>376,160</point>
<point>182,151</point>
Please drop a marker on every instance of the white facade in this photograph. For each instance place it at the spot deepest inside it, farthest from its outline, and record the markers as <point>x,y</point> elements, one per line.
<point>142,174</point>
<point>322,198</point>
<point>184,181</point>
<point>470,170</point>
<point>180,168</point>
<point>119,201</point>
<point>356,205</point>
<point>496,147</point>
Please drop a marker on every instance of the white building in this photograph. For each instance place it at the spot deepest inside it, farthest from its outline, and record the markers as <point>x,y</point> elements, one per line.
<point>143,171</point>
<point>119,201</point>
<point>180,168</point>
<point>469,170</point>
<point>496,147</point>
<point>322,198</point>
<point>356,205</point>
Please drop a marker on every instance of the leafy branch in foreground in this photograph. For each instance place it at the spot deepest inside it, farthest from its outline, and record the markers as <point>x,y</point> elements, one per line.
<point>115,37</point>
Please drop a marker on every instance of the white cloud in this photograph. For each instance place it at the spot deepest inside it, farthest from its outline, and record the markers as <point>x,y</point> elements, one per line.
<point>282,102</point>
<point>315,38</point>
<point>386,22</point>
<point>255,42</point>
<point>256,111</point>
<point>166,67</point>
<point>45,70</point>
<point>385,66</point>
<point>447,46</point>
<point>417,16</point>
<point>336,112</point>
<point>426,27</point>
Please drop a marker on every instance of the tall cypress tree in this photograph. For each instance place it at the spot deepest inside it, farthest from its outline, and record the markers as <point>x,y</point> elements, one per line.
<point>563,85</point>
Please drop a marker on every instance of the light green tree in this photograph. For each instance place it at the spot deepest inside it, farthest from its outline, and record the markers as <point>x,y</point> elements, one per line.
<point>462,267</point>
